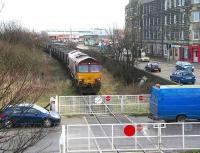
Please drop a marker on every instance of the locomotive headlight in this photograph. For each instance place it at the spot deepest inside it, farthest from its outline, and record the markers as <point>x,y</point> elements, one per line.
<point>81,80</point>
<point>98,79</point>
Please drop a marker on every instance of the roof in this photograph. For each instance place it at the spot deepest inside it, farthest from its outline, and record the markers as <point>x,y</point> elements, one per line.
<point>179,86</point>
<point>78,56</point>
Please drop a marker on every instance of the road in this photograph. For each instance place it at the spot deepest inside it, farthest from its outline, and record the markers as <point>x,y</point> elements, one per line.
<point>167,68</point>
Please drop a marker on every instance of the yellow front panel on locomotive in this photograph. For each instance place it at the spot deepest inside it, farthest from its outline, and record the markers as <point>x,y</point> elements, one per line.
<point>89,78</point>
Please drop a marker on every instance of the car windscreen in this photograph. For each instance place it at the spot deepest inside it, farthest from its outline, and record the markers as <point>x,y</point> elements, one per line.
<point>41,109</point>
<point>154,65</point>
<point>186,74</point>
<point>95,68</point>
<point>83,68</point>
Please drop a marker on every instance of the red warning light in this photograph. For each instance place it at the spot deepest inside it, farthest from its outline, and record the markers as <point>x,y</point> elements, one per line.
<point>129,130</point>
<point>108,98</point>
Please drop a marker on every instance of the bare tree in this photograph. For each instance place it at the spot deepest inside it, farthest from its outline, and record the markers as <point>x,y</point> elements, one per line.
<point>21,71</point>
<point>2,4</point>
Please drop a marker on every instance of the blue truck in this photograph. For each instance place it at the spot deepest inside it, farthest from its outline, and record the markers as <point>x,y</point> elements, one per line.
<point>175,102</point>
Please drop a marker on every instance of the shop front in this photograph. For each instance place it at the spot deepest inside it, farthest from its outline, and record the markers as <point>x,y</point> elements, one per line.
<point>190,53</point>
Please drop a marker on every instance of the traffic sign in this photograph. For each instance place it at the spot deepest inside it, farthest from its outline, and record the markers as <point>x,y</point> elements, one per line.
<point>98,100</point>
<point>108,98</point>
<point>141,98</point>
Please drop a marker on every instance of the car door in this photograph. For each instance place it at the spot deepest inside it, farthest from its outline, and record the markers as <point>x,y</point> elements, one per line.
<point>32,116</point>
<point>16,116</point>
<point>178,76</point>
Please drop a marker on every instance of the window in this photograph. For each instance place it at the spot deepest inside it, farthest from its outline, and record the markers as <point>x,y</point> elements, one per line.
<point>149,21</point>
<point>175,19</point>
<point>195,34</point>
<point>31,111</point>
<point>181,2</point>
<point>17,110</point>
<point>83,68</point>
<point>170,4</point>
<point>183,18</point>
<point>174,3</point>
<point>195,1</point>
<point>166,1</point>
<point>165,20</point>
<point>185,53</point>
<point>95,68</point>
<point>195,16</point>
<point>181,34</point>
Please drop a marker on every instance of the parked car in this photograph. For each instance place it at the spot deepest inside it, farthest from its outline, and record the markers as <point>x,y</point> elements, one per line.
<point>28,114</point>
<point>152,67</point>
<point>144,59</point>
<point>183,76</point>
<point>181,65</point>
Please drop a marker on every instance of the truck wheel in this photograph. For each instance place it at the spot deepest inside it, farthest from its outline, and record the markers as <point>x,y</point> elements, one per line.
<point>181,118</point>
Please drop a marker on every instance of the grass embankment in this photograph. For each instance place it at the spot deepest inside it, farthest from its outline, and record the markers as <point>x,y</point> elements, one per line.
<point>60,83</point>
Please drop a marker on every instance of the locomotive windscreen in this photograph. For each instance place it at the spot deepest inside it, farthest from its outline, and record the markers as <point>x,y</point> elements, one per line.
<point>83,68</point>
<point>95,68</point>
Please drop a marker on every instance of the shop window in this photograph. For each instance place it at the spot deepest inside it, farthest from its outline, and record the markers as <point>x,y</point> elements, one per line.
<point>185,53</point>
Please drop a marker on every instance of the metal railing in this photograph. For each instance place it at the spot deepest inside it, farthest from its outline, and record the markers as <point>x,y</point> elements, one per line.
<point>144,137</point>
<point>117,103</point>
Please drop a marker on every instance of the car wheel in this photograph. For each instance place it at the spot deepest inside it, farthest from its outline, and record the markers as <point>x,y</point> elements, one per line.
<point>181,118</point>
<point>8,124</point>
<point>47,123</point>
<point>159,70</point>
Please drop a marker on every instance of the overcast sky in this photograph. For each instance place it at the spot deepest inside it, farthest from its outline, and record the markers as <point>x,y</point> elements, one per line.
<point>63,14</point>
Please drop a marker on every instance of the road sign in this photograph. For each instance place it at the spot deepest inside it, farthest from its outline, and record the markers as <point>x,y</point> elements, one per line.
<point>141,98</point>
<point>98,100</point>
<point>108,98</point>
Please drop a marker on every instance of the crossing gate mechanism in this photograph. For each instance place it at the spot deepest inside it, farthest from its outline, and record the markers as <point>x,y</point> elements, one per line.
<point>130,137</point>
<point>100,103</point>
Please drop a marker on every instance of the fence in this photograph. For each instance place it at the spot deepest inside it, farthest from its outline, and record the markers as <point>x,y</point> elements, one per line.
<point>132,137</point>
<point>99,104</point>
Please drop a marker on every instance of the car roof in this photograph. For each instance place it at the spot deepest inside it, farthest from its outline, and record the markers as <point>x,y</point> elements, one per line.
<point>183,63</point>
<point>153,63</point>
<point>23,105</point>
<point>183,71</point>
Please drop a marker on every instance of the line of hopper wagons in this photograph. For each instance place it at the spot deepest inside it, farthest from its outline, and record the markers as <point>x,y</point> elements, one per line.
<point>85,71</point>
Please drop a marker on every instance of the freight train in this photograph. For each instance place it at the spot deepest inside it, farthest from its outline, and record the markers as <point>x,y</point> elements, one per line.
<point>85,71</point>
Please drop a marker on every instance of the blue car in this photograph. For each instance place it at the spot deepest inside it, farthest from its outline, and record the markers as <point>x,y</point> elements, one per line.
<point>180,65</point>
<point>183,76</point>
<point>28,114</point>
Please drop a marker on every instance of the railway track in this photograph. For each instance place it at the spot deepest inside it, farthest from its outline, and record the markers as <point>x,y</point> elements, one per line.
<point>94,118</point>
